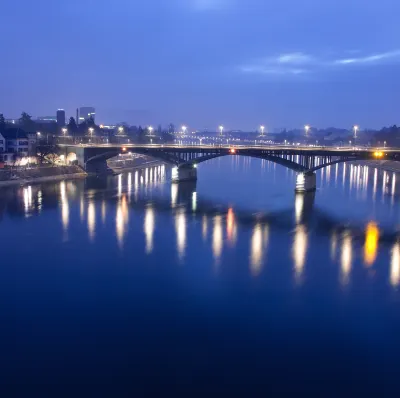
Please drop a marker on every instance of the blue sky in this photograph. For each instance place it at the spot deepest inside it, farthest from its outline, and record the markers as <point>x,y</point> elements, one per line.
<point>282,63</point>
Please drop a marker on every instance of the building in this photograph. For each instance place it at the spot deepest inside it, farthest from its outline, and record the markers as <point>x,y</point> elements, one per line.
<point>15,144</point>
<point>61,118</point>
<point>2,143</point>
<point>85,113</point>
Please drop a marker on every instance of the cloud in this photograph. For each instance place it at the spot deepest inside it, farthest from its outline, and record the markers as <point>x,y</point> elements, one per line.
<point>294,58</point>
<point>299,63</point>
<point>375,58</point>
<point>283,64</point>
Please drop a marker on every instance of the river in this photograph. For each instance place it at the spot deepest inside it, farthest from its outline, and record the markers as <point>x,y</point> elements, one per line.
<point>130,285</point>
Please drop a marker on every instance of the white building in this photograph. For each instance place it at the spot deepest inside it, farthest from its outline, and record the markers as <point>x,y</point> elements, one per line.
<point>2,144</point>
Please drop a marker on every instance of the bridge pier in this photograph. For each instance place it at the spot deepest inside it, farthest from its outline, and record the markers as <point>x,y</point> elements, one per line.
<point>306,182</point>
<point>184,173</point>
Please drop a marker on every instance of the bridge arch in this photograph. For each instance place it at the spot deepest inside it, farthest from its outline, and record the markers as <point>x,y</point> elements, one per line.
<point>275,159</point>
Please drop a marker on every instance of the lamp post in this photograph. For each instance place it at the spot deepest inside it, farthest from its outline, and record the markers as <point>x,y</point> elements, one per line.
<point>221,130</point>
<point>184,128</point>
<point>307,129</point>
<point>262,128</point>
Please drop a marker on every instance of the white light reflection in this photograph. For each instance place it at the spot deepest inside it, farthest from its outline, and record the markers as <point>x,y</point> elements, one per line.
<point>259,242</point>
<point>218,236</point>
<point>174,194</point>
<point>64,206</point>
<point>375,184</point>
<point>346,258</point>
<point>395,265</point>
<point>121,220</point>
<point>194,202</point>
<point>299,207</point>
<point>299,251</point>
<point>103,211</point>
<point>82,209</point>
<point>180,228</point>
<point>333,246</point>
<point>204,227</point>
<point>231,228</point>
<point>27,198</point>
<point>91,220</point>
<point>129,183</point>
<point>120,185</point>
<point>39,200</point>
<point>149,229</point>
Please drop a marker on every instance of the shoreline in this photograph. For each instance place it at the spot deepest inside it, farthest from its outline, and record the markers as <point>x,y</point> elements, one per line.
<point>29,181</point>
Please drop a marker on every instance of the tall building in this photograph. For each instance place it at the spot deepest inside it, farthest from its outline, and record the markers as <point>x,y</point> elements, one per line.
<point>61,118</point>
<point>85,113</point>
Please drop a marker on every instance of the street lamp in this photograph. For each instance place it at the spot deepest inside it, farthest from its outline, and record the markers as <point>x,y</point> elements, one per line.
<point>91,129</point>
<point>120,129</point>
<point>307,129</point>
<point>184,128</point>
<point>262,128</point>
<point>151,129</point>
<point>64,130</point>
<point>221,129</point>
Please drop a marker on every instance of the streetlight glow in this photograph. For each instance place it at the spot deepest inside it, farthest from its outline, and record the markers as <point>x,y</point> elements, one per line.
<point>221,129</point>
<point>262,129</point>
<point>64,130</point>
<point>307,128</point>
<point>184,128</point>
<point>355,131</point>
<point>91,129</point>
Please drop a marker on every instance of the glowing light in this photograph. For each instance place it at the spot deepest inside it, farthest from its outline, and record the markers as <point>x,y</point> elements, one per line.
<point>371,244</point>
<point>149,229</point>
<point>395,265</point>
<point>123,149</point>
<point>299,251</point>
<point>232,151</point>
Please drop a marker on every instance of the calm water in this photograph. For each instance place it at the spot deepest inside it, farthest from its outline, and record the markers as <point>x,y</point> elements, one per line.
<point>130,285</point>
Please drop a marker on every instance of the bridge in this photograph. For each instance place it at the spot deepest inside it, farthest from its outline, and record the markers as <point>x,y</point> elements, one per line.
<point>185,158</point>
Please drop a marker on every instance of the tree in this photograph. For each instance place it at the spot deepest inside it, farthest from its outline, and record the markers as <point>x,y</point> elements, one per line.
<point>26,122</point>
<point>2,122</point>
<point>45,151</point>
<point>72,127</point>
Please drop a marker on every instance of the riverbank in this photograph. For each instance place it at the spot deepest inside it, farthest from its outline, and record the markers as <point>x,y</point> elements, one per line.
<point>40,174</point>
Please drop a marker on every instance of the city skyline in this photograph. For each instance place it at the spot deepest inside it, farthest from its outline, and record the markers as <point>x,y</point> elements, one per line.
<point>203,63</point>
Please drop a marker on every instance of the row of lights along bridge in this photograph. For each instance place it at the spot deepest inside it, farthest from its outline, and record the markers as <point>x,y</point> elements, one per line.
<point>220,128</point>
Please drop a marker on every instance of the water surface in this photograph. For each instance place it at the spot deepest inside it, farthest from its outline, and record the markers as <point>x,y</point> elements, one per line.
<point>233,284</point>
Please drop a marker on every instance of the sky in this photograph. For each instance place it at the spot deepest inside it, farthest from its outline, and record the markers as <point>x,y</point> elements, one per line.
<point>202,63</point>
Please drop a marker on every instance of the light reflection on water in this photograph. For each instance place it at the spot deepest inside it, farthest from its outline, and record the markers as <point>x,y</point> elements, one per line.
<point>226,226</point>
